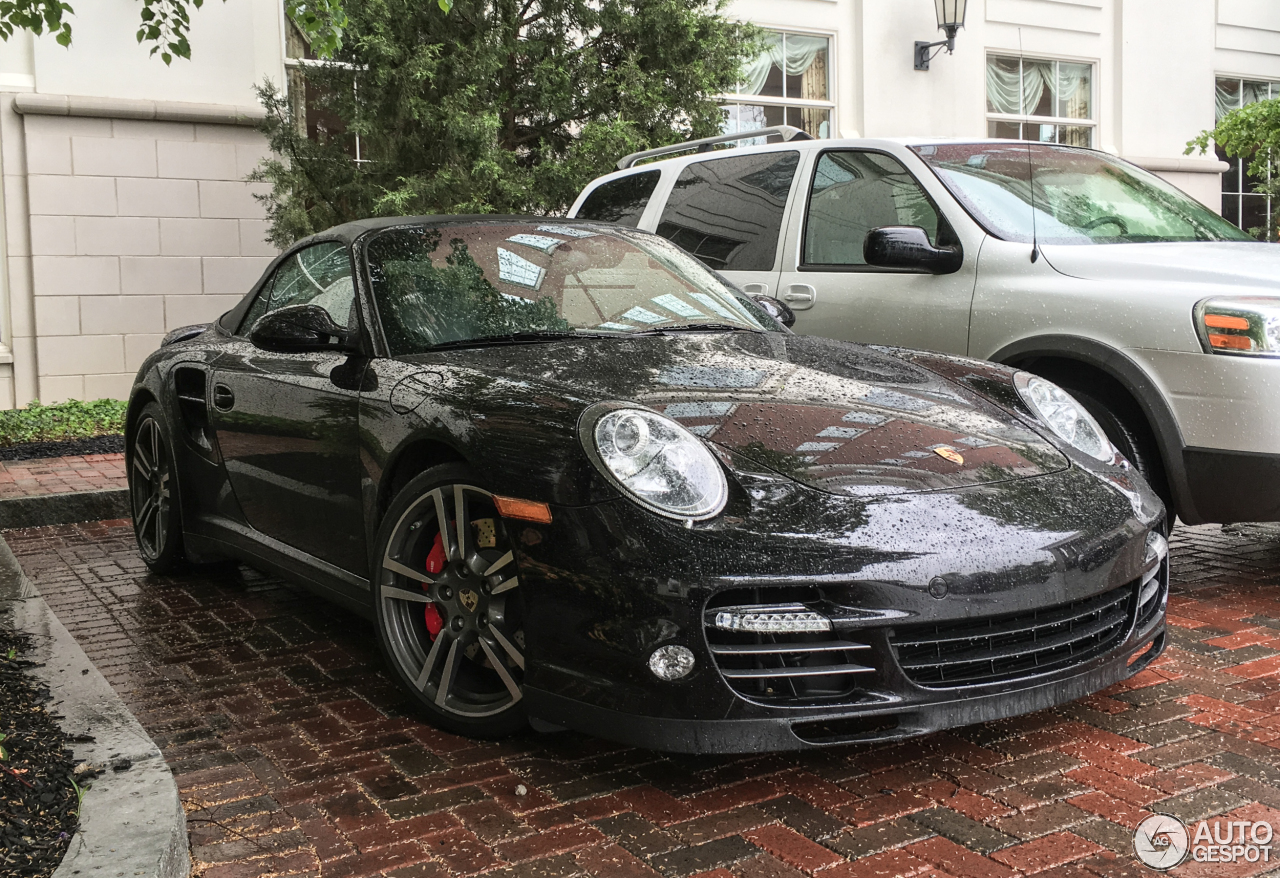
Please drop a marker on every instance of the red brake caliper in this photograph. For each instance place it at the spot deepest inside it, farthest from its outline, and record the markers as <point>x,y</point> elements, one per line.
<point>435,564</point>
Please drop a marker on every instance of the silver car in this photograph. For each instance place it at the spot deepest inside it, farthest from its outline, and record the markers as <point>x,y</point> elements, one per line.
<point>1158,315</point>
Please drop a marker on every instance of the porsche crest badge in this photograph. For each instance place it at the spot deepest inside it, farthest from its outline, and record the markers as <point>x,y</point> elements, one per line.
<point>469,599</point>
<point>947,453</point>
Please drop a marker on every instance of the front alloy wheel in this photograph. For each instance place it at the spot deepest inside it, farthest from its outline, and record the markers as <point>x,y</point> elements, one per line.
<point>448,604</point>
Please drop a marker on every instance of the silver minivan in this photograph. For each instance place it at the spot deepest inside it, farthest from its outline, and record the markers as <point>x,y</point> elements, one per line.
<point>1161,317</point>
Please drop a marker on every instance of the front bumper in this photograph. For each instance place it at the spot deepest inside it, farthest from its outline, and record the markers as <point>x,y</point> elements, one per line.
<point>606,585</point>
<point>848,725</point>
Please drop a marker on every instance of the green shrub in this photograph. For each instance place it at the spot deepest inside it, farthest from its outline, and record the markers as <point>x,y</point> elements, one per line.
<point>66,420</point>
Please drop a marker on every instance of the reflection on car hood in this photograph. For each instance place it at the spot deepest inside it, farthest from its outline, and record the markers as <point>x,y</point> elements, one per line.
<point>1220,263</point>
<point>843,418</point>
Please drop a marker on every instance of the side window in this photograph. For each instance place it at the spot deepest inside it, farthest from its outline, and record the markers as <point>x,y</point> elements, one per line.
<point>855,192</point>
<point>318,275</point>
<point>728,212</point>
<point>620,201</point>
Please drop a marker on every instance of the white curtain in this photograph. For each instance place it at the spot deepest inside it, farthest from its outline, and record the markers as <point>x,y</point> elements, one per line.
<point>1003,86</point>
<point>794,55</point>
<point>1070,83</point>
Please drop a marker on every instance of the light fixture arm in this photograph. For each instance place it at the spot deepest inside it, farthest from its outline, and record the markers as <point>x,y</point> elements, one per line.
<point>922,54</point>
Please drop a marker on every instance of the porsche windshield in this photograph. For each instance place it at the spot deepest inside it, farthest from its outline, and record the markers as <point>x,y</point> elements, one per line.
<point>1078,196</point>
<point>470,282</point>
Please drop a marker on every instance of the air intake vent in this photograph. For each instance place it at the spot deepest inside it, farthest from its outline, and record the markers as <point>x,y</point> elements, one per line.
<point>784,666</point>
<point>189,384</point>
<point>1006,648</point>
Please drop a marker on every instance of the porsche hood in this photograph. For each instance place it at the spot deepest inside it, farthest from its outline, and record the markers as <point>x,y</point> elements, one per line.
<point>842,418</point>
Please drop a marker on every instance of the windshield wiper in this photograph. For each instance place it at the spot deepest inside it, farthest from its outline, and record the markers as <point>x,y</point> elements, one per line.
<point>510,338</point>
<point>709,327</point>
<point>527,337</point>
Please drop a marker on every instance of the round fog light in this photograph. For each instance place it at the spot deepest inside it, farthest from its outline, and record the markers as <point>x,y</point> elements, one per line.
<point>671,662</point>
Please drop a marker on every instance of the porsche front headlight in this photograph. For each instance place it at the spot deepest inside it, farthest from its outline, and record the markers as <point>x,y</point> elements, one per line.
<point>1059,411</point>
<point>659,463</point>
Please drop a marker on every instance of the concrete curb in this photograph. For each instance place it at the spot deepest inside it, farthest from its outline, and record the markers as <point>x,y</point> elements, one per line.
<point>131,821</point>
<point>66,508</point>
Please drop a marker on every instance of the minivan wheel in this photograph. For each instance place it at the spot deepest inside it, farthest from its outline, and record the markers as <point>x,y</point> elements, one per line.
<point>1128,432</point>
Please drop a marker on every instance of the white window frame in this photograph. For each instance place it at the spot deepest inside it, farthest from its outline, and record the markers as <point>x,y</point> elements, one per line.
<point>829,105</point>
<point>1273,91</point>
<point>1059,121</point>
<point>291,63</point>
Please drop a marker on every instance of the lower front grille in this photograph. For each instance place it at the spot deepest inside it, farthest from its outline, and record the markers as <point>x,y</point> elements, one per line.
<point>786,668</point>
<point>1005,648</point>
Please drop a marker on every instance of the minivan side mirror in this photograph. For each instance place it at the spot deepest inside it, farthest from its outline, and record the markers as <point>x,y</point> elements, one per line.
<point>776,309</point>
<point>909,247</point>
<point>300,329</point>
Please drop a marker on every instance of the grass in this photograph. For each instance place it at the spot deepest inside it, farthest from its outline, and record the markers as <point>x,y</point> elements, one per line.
<point>72,419</point>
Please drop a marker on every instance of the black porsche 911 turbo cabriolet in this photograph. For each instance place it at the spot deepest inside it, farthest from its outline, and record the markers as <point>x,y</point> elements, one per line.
<point>579,480</point>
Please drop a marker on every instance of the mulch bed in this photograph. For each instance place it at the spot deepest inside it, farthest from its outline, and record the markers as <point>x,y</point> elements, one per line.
<point>38,803</point>
<point>72,447</point>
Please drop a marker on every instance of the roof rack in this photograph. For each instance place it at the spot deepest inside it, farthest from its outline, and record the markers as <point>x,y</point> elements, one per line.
<point>786,132</point>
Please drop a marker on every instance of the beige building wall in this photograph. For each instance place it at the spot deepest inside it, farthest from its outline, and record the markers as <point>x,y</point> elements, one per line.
<point>124,207</point>
<point>136,228</point>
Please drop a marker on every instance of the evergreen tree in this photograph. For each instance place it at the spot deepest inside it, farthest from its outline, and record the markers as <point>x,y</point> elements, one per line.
<point>497,106</point>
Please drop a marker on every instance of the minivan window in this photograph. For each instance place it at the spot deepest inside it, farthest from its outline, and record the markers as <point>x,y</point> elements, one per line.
<point>620,201</point>
<point>728,212</point>
<point>854,192</point>
<point>1079,196</point>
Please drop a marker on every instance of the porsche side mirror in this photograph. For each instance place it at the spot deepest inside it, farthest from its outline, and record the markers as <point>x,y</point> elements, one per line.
<point>300,329</point>
<point>909,247</point>
<point>776,309</point>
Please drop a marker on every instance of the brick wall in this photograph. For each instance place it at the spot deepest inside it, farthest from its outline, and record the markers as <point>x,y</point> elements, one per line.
<point>136,227</point>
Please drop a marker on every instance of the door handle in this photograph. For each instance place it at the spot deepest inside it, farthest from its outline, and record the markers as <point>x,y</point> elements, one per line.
<point>800,296</point>
<point>223,398</point>
<point>756,289</point>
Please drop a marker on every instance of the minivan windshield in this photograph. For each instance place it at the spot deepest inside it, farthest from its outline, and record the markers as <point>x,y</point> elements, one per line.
<point>1076,196</point>
<point>456,284</point>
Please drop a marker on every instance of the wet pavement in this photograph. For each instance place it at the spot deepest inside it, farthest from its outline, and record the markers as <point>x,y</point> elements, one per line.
<point>61,475</point>
<point>296,754</point>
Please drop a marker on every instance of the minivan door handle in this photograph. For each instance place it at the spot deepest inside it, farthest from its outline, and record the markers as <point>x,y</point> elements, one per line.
<point>800,296</point>
<point>756,289</point>
<point>223,398</point>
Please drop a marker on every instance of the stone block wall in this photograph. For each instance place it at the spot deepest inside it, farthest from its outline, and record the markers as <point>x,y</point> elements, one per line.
<point>134,227</point>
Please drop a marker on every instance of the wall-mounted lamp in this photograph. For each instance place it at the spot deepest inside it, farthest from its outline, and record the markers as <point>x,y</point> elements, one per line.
<point>950,19</point>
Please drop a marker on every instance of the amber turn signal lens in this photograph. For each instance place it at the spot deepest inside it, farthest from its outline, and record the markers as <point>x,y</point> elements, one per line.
<point>1225,321</point>
<point>525,510</point>
<point>1230,342</point>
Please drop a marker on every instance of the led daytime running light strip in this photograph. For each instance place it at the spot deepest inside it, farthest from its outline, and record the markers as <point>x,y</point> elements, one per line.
<point>790,618</point>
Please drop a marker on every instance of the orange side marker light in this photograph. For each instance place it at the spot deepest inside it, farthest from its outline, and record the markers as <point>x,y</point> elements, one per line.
<point>525,510</point>
<point>1225,321</point>
<point>1230,342</point>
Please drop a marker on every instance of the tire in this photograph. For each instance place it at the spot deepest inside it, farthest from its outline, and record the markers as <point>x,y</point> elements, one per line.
<point>467,677</point>
<point>153,492</point>
<point>1128,431</point>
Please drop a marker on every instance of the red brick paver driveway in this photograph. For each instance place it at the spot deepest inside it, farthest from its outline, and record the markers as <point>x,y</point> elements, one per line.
<point>296,755</point>
<point>61,475</point>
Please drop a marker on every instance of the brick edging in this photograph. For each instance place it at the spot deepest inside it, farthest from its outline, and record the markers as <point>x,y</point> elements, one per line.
<point>131,819</point>
<point>68,508</point>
